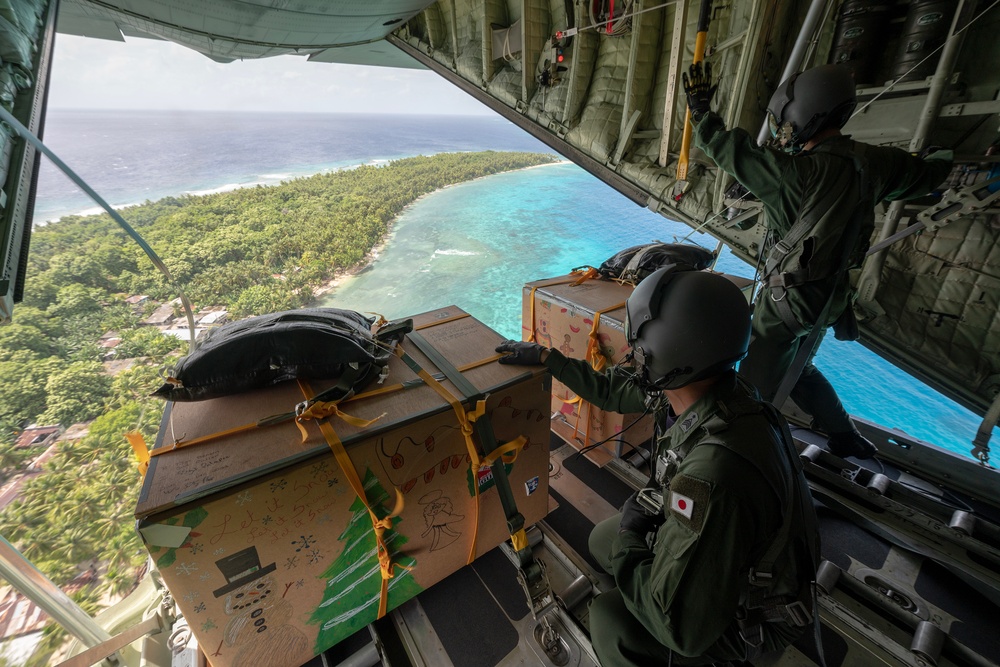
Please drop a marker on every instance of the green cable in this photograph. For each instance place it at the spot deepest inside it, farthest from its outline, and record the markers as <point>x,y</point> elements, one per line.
<point>157,262</point>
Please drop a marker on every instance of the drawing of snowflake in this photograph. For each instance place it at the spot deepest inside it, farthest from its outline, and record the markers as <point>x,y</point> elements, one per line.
<point>244,498</point>
<point>266,519</point>
<point>200,607</point>
<point>300,583</point>
<point>205,576</point>
<point>293,561</point>
<point>315,556</point>
<point>278,486</point>
<point>324,518</point>
<point>209,624</point>
<point>332,482</point>
<point>190,596</point>
<point>319,468</point>
<point>303,543</point>
<point>219,551</point>
<point>197,547</point>
<point>187,568</point>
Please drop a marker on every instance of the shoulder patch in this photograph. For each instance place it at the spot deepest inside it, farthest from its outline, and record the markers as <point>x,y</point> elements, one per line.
<point>688,500</point>
<point>689,421</point>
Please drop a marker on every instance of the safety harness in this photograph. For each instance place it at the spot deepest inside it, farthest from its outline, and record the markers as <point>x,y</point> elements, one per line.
<point>778,282</point>
<point>758,603</point>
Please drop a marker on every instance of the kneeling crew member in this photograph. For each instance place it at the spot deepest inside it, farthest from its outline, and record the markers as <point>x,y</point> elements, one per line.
<point>722,570</point>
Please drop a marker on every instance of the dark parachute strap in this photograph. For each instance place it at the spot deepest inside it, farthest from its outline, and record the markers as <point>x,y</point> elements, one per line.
<point>760,607</point>
<point>809,519</point>
<point>487,439</point>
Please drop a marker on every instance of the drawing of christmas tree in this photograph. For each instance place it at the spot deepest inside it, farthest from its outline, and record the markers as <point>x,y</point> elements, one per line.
<point>354,579</point>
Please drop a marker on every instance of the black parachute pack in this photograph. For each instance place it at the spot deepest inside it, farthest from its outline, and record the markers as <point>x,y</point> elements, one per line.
<point>311,343</point>
<point>633,264</point>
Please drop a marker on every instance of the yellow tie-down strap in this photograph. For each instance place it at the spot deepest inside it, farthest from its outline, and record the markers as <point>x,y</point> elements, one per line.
<point>317,410</point>
<point>508,452</point>
<point>595,356</point>
<point>576,277</point>
<point>379,526</point>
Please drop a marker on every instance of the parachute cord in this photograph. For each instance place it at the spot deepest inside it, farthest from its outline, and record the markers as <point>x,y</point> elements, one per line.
<point>157,262</point>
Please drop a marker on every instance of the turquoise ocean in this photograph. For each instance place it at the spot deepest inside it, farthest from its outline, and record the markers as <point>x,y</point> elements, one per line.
<point>473,245</point>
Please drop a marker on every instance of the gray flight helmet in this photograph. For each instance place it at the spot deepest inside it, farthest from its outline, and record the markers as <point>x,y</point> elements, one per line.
<point>810,101</point>
<point>685,326</point>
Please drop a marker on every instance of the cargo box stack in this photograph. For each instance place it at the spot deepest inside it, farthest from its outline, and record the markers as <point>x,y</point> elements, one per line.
<point>280,537</point>
<point>584,319</point>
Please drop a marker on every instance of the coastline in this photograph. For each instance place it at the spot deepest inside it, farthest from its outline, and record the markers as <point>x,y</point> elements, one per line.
<point>340,276</point>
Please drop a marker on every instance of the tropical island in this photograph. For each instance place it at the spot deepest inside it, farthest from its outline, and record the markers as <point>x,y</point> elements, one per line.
<point>89,341</point>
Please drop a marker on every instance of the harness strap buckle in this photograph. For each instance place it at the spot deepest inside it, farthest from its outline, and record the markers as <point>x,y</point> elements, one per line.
<point>796,614</point>
<point>751,632</point>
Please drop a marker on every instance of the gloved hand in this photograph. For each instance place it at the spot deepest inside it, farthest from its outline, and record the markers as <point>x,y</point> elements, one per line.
<point>637,518</point>
<point>520,353</point>
<point>699,89</point>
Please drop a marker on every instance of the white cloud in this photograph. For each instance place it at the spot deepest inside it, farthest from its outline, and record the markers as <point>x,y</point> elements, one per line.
<point>149,74</point>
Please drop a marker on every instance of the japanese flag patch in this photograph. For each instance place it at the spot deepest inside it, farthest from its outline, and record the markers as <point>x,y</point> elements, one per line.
<point>689,500</point>
<point>681,504</point>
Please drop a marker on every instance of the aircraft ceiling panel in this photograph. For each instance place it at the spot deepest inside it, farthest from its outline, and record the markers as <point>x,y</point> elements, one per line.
<point>73,23</point>
<point>231,29</point>
<point>380,54</point>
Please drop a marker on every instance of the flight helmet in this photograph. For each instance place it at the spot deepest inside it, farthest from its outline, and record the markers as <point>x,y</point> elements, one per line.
<point>685,326</point>
<point>810,101</point>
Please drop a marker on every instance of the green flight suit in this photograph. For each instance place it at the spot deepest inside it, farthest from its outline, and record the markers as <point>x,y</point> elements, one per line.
<point>677,601</point>
<point>822,186</point>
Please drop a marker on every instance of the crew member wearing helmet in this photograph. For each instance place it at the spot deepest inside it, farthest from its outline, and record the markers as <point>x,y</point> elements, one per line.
<point>819,190</point>
<point>713,560</point>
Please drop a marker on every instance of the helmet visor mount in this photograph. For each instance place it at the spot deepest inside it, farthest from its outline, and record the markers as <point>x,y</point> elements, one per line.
<point>783,133</point>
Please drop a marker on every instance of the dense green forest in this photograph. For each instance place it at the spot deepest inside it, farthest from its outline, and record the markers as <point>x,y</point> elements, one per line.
<point>253,250</point>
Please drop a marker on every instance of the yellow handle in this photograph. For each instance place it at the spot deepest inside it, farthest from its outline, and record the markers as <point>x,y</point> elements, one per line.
<point>682,161</point>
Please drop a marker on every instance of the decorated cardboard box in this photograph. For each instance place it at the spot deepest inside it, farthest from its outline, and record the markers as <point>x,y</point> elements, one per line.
<point>584,320</point>
<point>264,542</point>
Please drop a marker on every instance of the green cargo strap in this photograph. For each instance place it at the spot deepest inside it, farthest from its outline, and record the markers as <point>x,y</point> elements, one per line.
<point>488,441</point>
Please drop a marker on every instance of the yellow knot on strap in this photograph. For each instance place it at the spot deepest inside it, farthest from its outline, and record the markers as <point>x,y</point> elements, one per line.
<point>584,274</point>
<point>141,450</point>
<point>324,409</point>
<point>595,355</point>
<point>508,453</point>
<point>386,566</point>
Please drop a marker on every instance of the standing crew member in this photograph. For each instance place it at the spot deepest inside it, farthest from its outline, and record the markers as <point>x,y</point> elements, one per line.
<point>819,195</point>
<point>721,569</point>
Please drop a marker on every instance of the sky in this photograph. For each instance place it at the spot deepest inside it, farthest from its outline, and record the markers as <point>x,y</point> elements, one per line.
<point>149,74</point>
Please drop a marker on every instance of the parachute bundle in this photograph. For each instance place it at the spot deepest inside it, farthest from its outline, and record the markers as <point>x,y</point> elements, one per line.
<point>312,343</point>
<point>633,264</point>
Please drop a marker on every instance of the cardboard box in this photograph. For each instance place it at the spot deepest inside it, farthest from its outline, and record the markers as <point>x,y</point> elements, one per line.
<point>562,315</point>
<point>268,550</point>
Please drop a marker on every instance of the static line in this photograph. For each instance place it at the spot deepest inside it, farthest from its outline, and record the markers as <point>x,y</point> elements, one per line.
<point>157,262</point>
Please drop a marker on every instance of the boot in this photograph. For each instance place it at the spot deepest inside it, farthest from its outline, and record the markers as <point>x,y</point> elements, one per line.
<point>851,443</point>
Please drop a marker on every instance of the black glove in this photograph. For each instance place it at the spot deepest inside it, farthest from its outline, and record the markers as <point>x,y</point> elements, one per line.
<point>638,519</point>
<point>520,353</point>
<point>699,89</point>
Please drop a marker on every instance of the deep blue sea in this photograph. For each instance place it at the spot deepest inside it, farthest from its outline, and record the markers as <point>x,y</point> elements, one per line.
<point>473,245</point>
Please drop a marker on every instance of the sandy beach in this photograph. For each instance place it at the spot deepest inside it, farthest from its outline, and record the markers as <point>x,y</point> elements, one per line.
<point>341,275</point>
